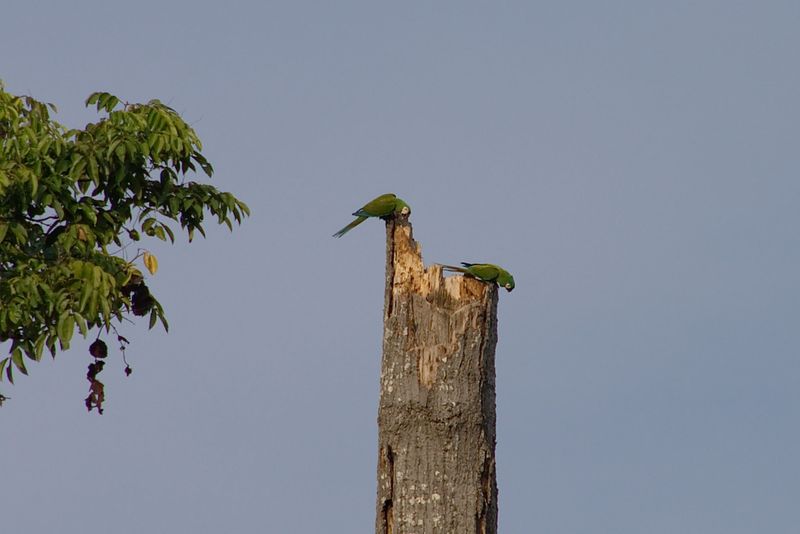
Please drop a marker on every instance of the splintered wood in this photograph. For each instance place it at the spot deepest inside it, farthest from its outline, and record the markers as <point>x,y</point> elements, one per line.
<point>436,418</point>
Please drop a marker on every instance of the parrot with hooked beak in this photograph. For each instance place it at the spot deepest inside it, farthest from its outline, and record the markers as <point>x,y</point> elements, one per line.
<point>485,272</point>
<point>383,207</point>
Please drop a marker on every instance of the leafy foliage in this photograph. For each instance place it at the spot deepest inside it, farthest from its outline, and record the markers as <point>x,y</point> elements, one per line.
<point>73,201</point>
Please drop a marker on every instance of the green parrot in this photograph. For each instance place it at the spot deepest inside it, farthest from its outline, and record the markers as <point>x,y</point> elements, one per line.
<point>384,206</point>
<point>485,272</point>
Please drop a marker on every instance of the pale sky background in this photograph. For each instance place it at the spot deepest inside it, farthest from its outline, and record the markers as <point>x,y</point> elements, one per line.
<point>635,165</point>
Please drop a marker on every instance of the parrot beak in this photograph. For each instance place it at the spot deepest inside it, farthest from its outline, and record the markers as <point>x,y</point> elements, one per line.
<point>405,211</point>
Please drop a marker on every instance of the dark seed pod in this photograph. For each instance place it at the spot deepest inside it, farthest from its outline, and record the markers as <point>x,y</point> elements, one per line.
<point>98,349</point>
<point>141,302</point>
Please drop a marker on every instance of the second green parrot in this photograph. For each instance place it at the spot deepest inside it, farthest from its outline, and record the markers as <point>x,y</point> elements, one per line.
<point>485,272</point>
<point>383,206</point>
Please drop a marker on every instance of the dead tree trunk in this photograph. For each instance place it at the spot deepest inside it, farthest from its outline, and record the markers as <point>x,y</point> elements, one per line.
<point>436,418</point>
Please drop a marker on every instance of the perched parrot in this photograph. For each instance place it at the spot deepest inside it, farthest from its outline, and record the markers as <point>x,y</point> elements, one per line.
<point>485,272</point>
<point>383,207</point>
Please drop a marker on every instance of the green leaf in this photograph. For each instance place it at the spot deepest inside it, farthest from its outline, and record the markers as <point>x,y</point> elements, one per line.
<point>92,99</point>
<point>101,101</point>
<point>147,225</point>
<point>112,102</point>
<point>19,232</point>
<point>51,344</point>
<point>90,214</point>
<point>106,310</point>
<point>86,290</point>
<point>169,232</point>
<point>34,184</point>
<point>153,120</point>
<point>94,174</point>
<point>14,316</point>
<point>243,207</point>
<point>39,347</point>
<point>78,165</point>
<point>158,145</point>
<point>97,276</point>
<point>65,328</point>
<point>81,322</point>
<point>16,358</point>
<point>59,209</point>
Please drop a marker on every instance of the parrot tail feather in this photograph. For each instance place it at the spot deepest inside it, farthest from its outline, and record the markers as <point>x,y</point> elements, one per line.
<point>350,226</point>
<point>453,268</point>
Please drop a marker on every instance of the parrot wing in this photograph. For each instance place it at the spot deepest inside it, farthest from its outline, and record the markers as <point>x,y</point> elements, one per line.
<point>484,271</point>
<point>378,207</point>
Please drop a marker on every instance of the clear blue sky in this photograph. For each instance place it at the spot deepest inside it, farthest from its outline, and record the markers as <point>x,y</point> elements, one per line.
<point>634,164</point>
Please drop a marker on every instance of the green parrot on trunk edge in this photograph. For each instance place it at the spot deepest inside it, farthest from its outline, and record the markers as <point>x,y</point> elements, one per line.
<point>384,206</point>
<point>485,272</point>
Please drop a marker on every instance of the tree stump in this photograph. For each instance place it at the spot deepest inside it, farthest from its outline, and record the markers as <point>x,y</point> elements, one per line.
<point>436,417</point>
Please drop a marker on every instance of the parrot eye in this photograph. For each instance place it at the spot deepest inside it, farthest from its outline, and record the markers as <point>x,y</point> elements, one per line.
<point>406,210</point>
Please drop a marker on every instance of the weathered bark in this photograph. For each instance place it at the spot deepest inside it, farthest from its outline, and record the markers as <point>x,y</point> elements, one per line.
<point>436,418</point>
